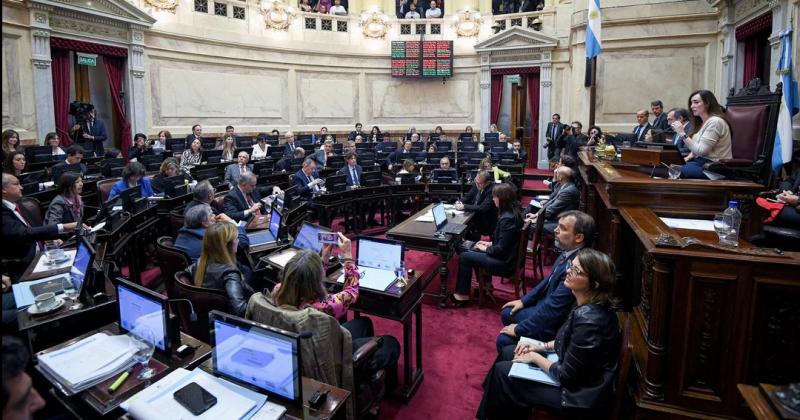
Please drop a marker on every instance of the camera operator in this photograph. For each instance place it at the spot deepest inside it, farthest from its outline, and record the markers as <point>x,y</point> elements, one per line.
<point>88,128</point>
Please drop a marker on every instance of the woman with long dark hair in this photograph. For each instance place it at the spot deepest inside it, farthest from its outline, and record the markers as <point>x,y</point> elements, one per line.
<point>67,206</point>
<point>711,140</point>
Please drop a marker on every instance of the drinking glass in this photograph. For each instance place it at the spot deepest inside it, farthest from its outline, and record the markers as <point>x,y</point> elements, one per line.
<point>69,288</point>
<point>143,346</point>
<point>674,171</point>
<point>53,253</point>
<point>721,226</point>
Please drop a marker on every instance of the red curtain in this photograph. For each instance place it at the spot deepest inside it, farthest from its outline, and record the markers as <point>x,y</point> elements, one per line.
<point>87,47</point>
<point>497,98</point>
<point>533,102</point>
<point>60,66</point>
<point>750,60</point>
<point>115,69</point>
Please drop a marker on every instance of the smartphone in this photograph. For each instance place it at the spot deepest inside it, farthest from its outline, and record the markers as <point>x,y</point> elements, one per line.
<point>328,238</point>
<point>195,398</point>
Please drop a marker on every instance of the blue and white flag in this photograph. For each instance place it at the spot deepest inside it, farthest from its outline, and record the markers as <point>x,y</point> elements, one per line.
<point>782,152</point>
<point>593,47</point>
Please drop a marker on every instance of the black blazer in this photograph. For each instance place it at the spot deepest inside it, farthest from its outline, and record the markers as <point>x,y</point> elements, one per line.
<point>288,151</point>
<point>348,176</point>
<point>559,130</point>
<point>235,202</point>
<point>481,203</point>
<point>397,157</point>
<point>660,122</point>
<point>505,238</point>
<point>19,241</point>
<point>642,133</point>
<point>301,181</point>
<point>135,152</point>
<point>588,348</point>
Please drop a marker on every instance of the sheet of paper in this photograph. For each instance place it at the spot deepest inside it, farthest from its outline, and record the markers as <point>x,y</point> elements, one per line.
<point>168,381</point>
<point>42,265</point>
<point>270,411</point>
<point>282,258</point>
<point>693,224</point>
<point>373,278</point>
<point>98,227</point>
<point>93,357</point>
<point>531,373</point>
<point>426,217</point>
<point>23,296</point>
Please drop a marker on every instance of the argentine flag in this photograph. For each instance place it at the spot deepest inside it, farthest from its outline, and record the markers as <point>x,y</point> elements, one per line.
<point>782,152</point>
<point>593,30</point>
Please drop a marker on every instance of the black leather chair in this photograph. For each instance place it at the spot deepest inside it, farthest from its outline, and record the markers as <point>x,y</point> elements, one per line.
<point>170,261</point>
<point>203,301</point>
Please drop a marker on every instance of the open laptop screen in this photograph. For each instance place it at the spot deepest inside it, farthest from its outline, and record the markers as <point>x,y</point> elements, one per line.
<point>266,358</point>
<point>141,308</point>
<point>439,216</point>
<point>308,237</point>
<point>379,254</point>
<point>275,223</point>
<point>80,266</point>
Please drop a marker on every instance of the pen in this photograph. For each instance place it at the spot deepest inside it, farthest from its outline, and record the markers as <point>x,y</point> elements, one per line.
<point>119,381</point>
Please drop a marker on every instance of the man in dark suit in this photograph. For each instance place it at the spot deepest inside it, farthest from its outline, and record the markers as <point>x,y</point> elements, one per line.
<point>444,168</point>
<point>285,164</point>
<point>540,313</point>
<point>644,126</point>
<point>321,156</point>
<point>245,199</point>
<point>479,201</point>
<point>681,125</point>
<point>521,154</point>
<point>92,130</point>
<point>74,157</point>
<point>526,6</point>
<point>351,170</point>
<point>306,181</point>
<point>660,120</point>
<point>398,156</point>
<point>197,134</point>
<point>22,240</point>
<point>573,142</point>
<point>357,132</point>
<point>289,146</point>
<point>235,170</point>
<point>553,133</point>
<point>566,197</point>
<point>203,193</point>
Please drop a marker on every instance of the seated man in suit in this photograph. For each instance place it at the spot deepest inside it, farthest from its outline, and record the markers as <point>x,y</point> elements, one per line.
<point>479,201</point>
<point>203,193</point>
<point>22,240</point>
<point>352,172</point>
<point>541,312</point>
<point>521,154</point>
<point>681,125</point>
<point>245,199</point>
<point>306,180</point>
<point>644,126</point>
<point>660,120</point>
<point>197,134</point>
<point>444,168</point>
<point>195,222</point>
<point>398,156</point>
<point>285,164</point>
<point>74,157</point>
<point>565,197</point>
<point>357,132</point>
<point>289,146</point>
<point>235,170</point>
<point>321,155</point>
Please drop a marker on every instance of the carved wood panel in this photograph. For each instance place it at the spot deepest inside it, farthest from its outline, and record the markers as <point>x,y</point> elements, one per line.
<point>775,331</point>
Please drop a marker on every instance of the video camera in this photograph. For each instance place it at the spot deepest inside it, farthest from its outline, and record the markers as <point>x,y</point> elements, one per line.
<point>80,110</point>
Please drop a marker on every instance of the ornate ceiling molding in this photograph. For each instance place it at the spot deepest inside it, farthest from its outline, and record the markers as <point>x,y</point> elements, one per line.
<point>517,40</point>
<point>108,12</point>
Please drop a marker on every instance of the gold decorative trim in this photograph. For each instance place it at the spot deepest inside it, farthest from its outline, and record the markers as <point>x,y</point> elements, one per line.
<point>467,23</point>
<point>374,24</point>
<point>168,5</point>
<point>277,15</point>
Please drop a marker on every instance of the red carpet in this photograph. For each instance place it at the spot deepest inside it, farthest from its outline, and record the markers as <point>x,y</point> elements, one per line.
<point>535,171</point>
<point>534,184</point>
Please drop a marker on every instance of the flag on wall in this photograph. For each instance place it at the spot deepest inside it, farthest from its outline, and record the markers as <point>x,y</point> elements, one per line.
<point>782,152</point>
<point>593,47</point>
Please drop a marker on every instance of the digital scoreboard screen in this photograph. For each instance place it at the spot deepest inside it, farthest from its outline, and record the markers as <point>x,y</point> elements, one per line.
<point>422,58</point>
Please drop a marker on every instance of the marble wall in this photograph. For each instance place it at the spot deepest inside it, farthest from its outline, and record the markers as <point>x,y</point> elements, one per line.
<point>18,97</point>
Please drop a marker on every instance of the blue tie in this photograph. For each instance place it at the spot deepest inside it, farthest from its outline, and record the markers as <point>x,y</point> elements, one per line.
<point>354,176</point>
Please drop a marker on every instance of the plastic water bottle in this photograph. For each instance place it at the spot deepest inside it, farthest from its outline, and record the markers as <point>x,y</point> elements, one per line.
<point>734,218</point>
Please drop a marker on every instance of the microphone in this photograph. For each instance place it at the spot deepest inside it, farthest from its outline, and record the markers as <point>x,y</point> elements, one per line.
<point>193,314</point>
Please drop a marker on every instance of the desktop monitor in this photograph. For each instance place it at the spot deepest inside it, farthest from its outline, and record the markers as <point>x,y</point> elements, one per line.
<point>464,136</point>
<point>491,137</point>
<point>273,140</point>
<point>275,152</point>
<point>442,176</point>
<point>444,146</point>
<point>244,141</point>
<point>377,253</point>
<point>336,183</point>
<point>44,158</point>
<point>364,147</point>
<point>367,161</point>
<point>204,174</point>
<point>468,146</point>
<point>508,158</point>
<point>499,147</point>
<point>388,146</point>
<point>417,146</point>
<point>59,170</point>
<point>208,143</point>
<point>303,139</point>
<point>334,162</point>
<point>32,151</point>
<point>371,179</point>
<point>176,145</point>
<point>407,179</point>
<point>140,307</point>
<point>338,148</point>
<point>211,156</point>
<point>175,185</point>
<point>81,272</point>
<point>257,356</point>
<point>127,198</point>
<point>28,177</point>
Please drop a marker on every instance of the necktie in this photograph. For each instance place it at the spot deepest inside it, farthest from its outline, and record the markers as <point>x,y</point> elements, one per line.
<point>291,146</point>
<point>553,136</point>
<point>39,245</point>
<point>313,187</point>
<point>250,203</point>
<point>90,127</point>
<point>242,169</point>
<point>354,176</point>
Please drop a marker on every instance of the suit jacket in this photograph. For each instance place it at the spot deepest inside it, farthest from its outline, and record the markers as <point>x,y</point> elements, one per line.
<point>481,203</point>
<point>19,241</point>
<point>190,138</point>
<point>559,128</point>
<point>301,181</point>
<point>284,164</point>
<point>232,173</point>
<point>349,176</point>
<point>398,156</point>
<point>60,212</point>
<point>505,239</point>
<point>98,130</point>
<point>235,202</point>
<point>660,122</point>
<point>567,197</point>
<point>642,132</point>
<point>320,157</point>
<point>552,302</point>
<point>522,157</point>
<point>288,151</point>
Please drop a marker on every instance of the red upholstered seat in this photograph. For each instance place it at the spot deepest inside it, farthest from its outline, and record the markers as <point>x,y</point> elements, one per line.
<point>748,125</point>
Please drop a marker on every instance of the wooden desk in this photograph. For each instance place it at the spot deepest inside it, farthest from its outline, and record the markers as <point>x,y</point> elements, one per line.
<point>337,397</point>
<point>398,304</point>
<point>705,318</point>
<point>763,403</point>
<point>85,405</point>
<point>420,236</point>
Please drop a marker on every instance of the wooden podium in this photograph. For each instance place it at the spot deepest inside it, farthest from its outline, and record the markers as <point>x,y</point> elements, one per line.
<point>654,156</point>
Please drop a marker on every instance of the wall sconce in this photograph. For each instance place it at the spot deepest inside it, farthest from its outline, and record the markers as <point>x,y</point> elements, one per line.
<point>374,23</point>
<point>277,15</point>
<point>168,5</point>
<point>467,22</point>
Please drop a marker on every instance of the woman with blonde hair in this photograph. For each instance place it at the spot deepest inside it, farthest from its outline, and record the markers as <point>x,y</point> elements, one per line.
<point>487,165</point>
<point>10,143</point>
<point>216,268</point>
<point>228,148</point>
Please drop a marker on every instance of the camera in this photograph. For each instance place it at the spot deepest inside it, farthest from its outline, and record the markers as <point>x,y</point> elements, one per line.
<point>80,110</point>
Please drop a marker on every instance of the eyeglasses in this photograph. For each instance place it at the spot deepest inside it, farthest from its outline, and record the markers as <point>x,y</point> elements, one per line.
<point>574,271</point>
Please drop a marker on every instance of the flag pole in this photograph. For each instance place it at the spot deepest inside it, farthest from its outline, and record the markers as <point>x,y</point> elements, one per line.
<point>593,92</point>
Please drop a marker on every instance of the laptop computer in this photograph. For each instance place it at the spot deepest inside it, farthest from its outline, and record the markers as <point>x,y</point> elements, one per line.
<point>256,356</point>
<point>270,235</point>
<point>378,261</point>
<point>307,238</point>
<point>442,225</point>
<point>141,308</point>
<point>81,265</point>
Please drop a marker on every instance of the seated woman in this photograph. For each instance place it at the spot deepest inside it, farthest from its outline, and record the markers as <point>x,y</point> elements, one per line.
<point>160,144</point>
<point>168,169</point>
<point>67,206</point>
<point>14,163</point>
<point>261,148</point>
<point>132,176</point>
<point>497,256</point>
<point>587,346</point>
<point>302,287</point>
<point>216,268</point>
<point>497,173</point>
<point>10,143</point>
<point>375,135</point>
<point>228,148</point>
<point>139,148</point>
<point>54,142</point>
<point>408,167</point>
<point>712,140</point>
<point>595,134</point>
<point>191,156</point>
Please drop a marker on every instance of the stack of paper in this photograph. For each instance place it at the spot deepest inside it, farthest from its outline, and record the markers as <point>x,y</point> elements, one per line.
<point>532,372</point>
<point>157,402</point>
<point>89,361</point>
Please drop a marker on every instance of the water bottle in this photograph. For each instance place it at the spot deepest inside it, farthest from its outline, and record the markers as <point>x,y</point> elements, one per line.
<point>734,218</point>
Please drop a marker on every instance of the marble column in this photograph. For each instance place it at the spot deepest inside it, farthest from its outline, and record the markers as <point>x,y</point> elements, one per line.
<point>728,57</point>
<point>486,92</point>
<point>136,97</point>
<point>42,73</point>
<point>545,84</point>
<point>778,20</point>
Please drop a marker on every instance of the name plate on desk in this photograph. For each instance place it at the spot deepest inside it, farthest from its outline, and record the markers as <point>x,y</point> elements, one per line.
<point>654,156</point>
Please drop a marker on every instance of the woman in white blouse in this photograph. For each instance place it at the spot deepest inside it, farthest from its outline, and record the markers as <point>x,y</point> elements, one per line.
<point>711,140</point>
<point>260,148</point>
<point>54,141</point>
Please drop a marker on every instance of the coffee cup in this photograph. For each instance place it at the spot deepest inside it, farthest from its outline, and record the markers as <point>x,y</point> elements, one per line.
<point>45,301</point>
<point>53,253</point>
